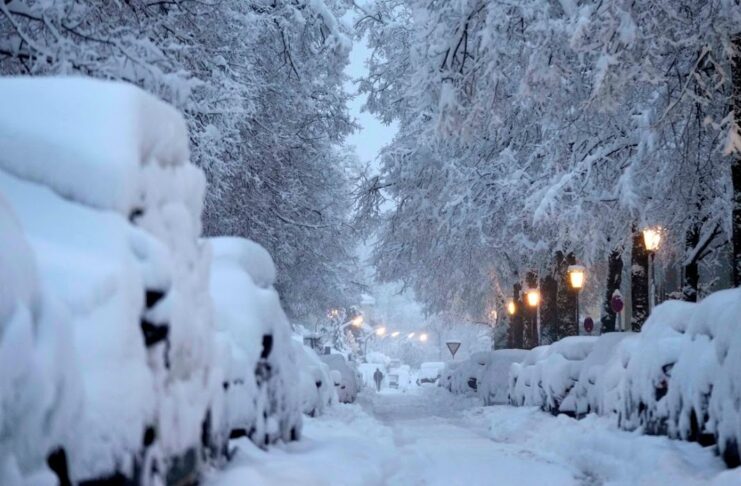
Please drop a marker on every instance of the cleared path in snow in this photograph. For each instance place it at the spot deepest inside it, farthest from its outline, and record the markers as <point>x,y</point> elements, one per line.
<point>429,437</point>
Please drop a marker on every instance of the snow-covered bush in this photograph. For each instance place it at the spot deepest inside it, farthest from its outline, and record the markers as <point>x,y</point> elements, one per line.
<point>315,382</point>
<point>345,378</point>
<point>493,387</point>
<point>261,375</point>
<point>98,176</point>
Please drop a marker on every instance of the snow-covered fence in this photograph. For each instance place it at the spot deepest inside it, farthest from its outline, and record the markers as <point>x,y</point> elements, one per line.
<point>681,376</point>
<point>111,367</point>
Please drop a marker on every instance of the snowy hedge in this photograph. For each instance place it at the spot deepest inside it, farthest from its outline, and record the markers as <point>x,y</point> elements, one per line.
<point>111,367</point>
<point>681,376</point>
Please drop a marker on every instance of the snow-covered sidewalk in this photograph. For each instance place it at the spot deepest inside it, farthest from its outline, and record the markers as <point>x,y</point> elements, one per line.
<point>430,437</point>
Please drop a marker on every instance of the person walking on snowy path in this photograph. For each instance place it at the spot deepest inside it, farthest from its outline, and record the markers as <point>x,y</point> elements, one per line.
<point>378,377</point>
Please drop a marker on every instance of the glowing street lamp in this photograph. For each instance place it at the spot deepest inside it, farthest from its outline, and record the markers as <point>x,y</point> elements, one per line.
<point>651,239</point>
<point>511,307</point>
<point>395,334</point>
<point>423,337</point>
<point>577,276</point>
<point>380,331</point>
<point>410,335</point>
<point>357,321</point>
<point>533,297</point>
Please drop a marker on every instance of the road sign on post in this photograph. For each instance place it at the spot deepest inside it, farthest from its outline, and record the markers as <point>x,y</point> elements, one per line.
<point>453,347</point>
<point>589,325</point>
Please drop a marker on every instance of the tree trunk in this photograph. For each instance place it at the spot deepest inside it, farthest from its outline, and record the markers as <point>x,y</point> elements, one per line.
<point>691,270</point>
<point>736,166</point>
<point>549,310</point>
<point>639,282</point>
<point>516,324</point>
<point>531,314</point>
<point>565,297</point>
<point>614,279</point>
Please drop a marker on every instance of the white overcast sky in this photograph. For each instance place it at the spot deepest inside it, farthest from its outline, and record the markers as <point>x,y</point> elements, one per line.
<point>373,134</point>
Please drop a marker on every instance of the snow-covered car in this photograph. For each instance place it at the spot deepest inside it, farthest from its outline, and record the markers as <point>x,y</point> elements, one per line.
<point>97,175</point>
<point>463,377</point>
<point>315,383</point>
<point>429,372</point>
<point>493,386</point>
<point>549,372</point>
<point>345,380</point>
<point>261,377</point>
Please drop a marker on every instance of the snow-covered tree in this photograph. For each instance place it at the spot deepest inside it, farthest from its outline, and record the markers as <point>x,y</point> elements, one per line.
<point>543,126</point>
<point>260,83</point>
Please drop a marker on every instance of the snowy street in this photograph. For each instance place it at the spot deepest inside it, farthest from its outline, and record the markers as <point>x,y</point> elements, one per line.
<point>430,437</point>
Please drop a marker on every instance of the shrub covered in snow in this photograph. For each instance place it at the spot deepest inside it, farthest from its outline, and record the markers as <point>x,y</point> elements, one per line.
<point>345,378</point>
<point>261,374</point>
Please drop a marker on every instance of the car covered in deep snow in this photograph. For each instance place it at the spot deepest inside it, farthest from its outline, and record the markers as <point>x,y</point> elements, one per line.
<point>259,360</point>
<point>345,377</point>
<point>98,177</point>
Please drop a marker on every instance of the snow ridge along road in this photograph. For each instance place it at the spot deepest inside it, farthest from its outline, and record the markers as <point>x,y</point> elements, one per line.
<point>430,437</point>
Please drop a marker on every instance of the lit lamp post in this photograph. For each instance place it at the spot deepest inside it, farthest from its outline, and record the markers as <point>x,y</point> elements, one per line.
<point>577,276</point>
<point>532,296</point>
<point>651,239</point>
<point>511,307</point>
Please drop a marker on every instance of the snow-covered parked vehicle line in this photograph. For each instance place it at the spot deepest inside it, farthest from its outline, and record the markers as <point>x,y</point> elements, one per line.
<point>260,371</point>
<point>485,374</point>
<point>315,381</point>
<point>680,376</point>
<point>107,330</point>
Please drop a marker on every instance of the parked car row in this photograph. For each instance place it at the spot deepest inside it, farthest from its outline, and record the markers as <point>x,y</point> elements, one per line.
<point>680,376</point>
<point>131,349</point>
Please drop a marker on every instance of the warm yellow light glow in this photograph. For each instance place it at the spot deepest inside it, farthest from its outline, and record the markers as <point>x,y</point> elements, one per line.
<point>493,314</point>
<point>511,307</point>
<point>395,334</point>
<point>380,331</point>
<point>357,321</point>
<point>410,335</point>
<point>423,337</point>
<point>577,276</point>
<point>652,238</point>
<point>533,297</point>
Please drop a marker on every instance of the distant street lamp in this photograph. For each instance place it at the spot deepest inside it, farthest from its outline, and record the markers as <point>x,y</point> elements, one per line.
<point>410,335</point>
<point>651,239</point>
<point>395,334</point>
<point>423,337</point>
<point>380,331</point>
<point>532,296</point>
<point>511,307</point>
<point>577,276</point>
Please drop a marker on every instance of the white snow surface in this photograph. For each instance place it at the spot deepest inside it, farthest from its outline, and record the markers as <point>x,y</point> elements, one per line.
<point>96,142</point>
<point>428,436</point>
